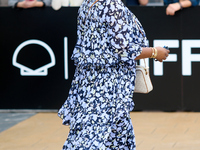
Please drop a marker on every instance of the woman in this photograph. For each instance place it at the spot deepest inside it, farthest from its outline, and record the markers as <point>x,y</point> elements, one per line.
<point>110,39</point>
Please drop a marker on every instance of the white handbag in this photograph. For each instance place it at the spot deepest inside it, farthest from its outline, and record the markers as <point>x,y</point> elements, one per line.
<point>143,82</point>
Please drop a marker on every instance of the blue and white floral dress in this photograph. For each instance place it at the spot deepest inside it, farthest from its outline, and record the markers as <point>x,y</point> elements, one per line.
<point>100,99</point>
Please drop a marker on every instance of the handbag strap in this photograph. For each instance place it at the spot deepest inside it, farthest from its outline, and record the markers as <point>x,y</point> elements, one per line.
<point>139,28</point>
<point>143,36</point>
<point>91,7</point>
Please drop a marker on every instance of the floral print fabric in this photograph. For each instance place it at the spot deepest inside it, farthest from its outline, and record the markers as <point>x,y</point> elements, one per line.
<point>100,99</point>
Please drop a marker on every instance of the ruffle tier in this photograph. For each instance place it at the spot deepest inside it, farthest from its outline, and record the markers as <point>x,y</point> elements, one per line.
<point>98,109</point>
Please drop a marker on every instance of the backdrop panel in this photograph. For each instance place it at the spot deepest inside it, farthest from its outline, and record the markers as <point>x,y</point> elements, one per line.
<point>191,59</point>
<point>36,46</point>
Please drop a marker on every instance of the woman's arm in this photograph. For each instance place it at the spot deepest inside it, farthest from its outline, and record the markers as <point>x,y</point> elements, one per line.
<point>162,53</point>
<point>29,4</point>
<point>124,41</point>
<point>172,8</point>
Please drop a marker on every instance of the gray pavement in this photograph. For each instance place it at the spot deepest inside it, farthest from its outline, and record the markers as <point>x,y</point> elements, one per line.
<point>8,120</point>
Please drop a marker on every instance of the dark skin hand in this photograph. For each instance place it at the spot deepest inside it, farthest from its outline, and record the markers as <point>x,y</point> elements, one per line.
<point>162,53</point>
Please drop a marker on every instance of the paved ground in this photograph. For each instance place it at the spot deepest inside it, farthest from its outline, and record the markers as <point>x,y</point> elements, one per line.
<point>153,130</point>
<point>8,120</point>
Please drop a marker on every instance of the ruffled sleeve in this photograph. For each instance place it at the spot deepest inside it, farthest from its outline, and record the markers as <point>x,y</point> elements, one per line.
<point>125,36</point>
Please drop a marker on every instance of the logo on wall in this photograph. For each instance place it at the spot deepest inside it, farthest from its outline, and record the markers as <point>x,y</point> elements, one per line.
<point>188,57</point>
<point>26,71</point>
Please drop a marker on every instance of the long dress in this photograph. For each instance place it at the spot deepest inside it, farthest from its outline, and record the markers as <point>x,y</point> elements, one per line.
<point>101,95</point>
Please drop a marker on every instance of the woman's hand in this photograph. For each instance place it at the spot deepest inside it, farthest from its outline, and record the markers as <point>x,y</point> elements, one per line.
<point>172,8</point>
<point>162,54</point>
